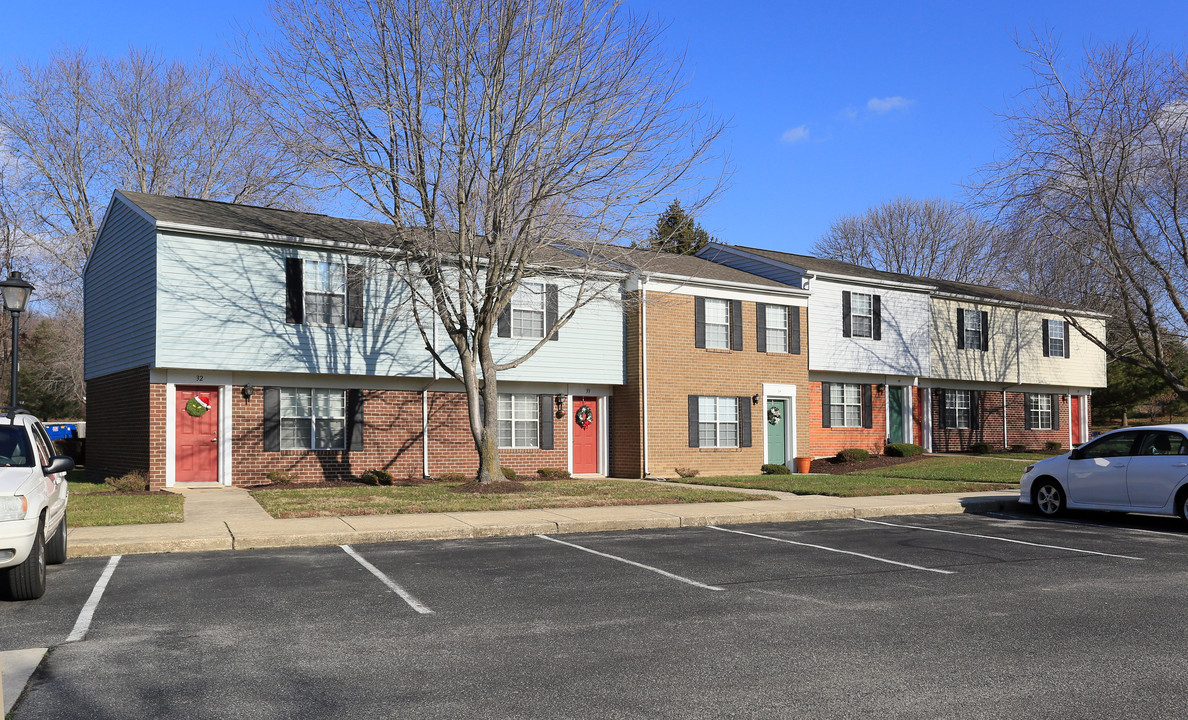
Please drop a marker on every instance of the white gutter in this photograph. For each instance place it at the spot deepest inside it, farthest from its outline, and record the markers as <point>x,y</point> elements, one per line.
<point>425,430</point>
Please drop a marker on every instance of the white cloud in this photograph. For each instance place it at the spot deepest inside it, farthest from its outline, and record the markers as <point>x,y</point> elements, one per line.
<point>800,133</point>
<point>880,106</point>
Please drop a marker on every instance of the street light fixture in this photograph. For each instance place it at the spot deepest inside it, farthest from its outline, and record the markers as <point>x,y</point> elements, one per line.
<point>16,291</point>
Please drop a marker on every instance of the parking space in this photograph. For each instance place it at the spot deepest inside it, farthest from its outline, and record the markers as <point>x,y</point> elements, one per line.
<point>622,624</point>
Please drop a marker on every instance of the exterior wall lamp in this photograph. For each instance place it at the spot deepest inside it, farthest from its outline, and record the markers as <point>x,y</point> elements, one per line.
<point>247,392</point>
<point>16,291</point>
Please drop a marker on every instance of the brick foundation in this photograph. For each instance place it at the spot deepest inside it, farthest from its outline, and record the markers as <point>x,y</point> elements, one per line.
<point>990,424</point>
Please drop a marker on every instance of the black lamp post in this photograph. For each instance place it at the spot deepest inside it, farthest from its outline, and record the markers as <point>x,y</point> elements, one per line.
<point>16,291</point>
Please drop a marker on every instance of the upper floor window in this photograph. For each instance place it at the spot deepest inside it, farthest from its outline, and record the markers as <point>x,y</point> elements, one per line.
<point>325,293</point>
<point>1039,411</point>
<point>973,330</point>
<point>312,419</point>
<point>958,413</point>
<point>528,311</point>
<point>717,323</point>
<point>1056,338</point>
<point>861,315</point>
<point>519,421</point>
<point>717,419</point>
<point>776,330</point>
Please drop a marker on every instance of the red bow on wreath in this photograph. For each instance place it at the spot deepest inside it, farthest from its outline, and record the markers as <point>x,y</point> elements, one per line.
<point>584,416</point>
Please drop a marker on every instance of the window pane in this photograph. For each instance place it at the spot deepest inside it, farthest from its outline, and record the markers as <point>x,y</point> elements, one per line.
<point>530,296</point>
<point>294,402</point>
<point>853,416</point>
<point>860,304</point>
<point>717,336</point>
<point>505,433</point>
<point>861,327</point>
<point>505,407</point>
<point>837,394</point>
<point>707,409</point>
<point>837,415</point>
<point>777,340</point>
<point>330,403</point>
<point>727,409</point>
<point>527,323</point>
<point>526,432</point>
<point>777,317</point>
<point>707,434</point>
<point>717,311</point>
<point>853,395</point>
<point>527,407</point>
<point>330,434</point>
<point>728,435</point>
<point>295,433</point>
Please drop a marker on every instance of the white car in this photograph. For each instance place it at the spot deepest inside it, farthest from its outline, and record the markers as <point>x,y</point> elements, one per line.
<point>1131,470</point>
<point>33,495</point>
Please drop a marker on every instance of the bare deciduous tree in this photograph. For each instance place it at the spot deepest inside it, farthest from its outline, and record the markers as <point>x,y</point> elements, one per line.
<point>501,138</point>
<point>1096,171</point>
<point>928,238</point>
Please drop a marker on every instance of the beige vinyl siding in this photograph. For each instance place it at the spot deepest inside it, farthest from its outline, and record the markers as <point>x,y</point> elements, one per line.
<point>997,364</point>
<point>1086,365</point>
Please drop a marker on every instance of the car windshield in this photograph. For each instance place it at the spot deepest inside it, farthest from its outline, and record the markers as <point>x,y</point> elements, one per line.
<point>15,450</point>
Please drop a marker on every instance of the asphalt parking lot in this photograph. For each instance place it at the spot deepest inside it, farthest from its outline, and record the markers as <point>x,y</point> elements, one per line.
<point>924,616</point>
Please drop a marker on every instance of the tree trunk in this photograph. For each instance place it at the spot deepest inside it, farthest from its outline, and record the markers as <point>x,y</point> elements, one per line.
<point>486,431</point>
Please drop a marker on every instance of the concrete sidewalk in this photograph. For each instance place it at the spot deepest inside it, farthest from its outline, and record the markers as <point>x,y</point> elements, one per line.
<point>229,519</point>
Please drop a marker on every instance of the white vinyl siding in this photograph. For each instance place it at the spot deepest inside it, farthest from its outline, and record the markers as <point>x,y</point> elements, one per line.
<point>312,419</point>
<point>1039,409</point>
<point>717,324</point>
<point>325,293</point>
<point>905,346</point>
<point>528,311</point>
<point>861,315</point>
<point>717,419</point>
<point>845,405</point>
<point>519,421</point>
<point>776,318</point>
<point>957,413</point>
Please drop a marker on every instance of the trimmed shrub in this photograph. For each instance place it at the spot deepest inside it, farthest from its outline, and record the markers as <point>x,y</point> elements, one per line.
<point>508,473</point>
<point>902,450</point>
<point>774,469</point>
<point>981,448</point>
<point>687,472</point>
<point>850,455</point>
<point>376,477</point>
<point>1018,448</point>
<point>1053,446</point>
<point>452,477</point>
<point>553,473</point>
<point>280,477</point>
<point>135,481</point>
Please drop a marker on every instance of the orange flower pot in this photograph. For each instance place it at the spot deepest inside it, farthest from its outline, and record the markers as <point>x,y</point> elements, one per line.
<point>803,463</point>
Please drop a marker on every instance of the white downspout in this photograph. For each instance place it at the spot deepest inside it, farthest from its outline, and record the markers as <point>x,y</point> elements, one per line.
<point>1070,416</point>
<point>643,343</point>
<point>1005,443</point>
<point>425,429</point>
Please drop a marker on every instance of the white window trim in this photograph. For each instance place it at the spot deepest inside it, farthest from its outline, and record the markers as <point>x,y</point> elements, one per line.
<point>513,420</point>
<point>854,315</point>
<point>314,417</point>
<point>1052,324</point>
<point>518,305</point>
<point>951,406</point>
<point>726,342</point>
<point>980,331</point>
<point>785,312</point>
<point>306,292</point>
<point>1039,412</point>
<point>843,405</point>
<point>719,423</point>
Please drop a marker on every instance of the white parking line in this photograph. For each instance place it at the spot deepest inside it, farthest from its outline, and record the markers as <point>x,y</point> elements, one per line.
<point>834,550</point>
<point>1000,539</point>
<point>404,594</point>
<point>83,624</point>
<point>1007,516</point>
<point>665,573</point>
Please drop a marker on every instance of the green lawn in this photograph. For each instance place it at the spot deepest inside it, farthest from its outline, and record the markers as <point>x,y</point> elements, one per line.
<point>366,500</point>
<point>926,475</point>
<point>93,504</point>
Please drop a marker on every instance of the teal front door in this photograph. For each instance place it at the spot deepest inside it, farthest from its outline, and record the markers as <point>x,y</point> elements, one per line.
<point>776,410</point>
<point>895,413</point>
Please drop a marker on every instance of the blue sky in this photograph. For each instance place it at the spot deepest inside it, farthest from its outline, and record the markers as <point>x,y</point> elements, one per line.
<point>833,107</point>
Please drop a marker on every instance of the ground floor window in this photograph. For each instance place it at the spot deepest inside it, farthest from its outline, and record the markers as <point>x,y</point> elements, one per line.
<point>845,405</point>
<point>717,421</point>
<point>957,409</point>
<point>519,421</point>
<point>1039,411</point>
<point>312,419</point>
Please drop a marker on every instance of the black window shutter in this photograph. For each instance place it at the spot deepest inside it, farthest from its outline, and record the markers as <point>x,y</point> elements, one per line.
<point>694,431</point>
<point>546,422</point>
<point>698,325</point>
<point>1027,424</point>
<point>1047,336</point>
<point>354,419</point>
<point>794,330</point>
<point>503,324</point>
<point>761,327</point>
<point>941,395</point>
<point>867,407</point>
<point>876,322</point>
<point>736,325</point>
<point>985,331</point>
<point>744,421</point>
<point>551,310</point>
<point>354,298</point>
<point>960,329</point>
<point>1067,339</point>
<point>271,419</point>
<point>975,403</point>
<point>845,313</point>
<point>826,418</point>
<point>294,291</point>
<point>1055,412</point>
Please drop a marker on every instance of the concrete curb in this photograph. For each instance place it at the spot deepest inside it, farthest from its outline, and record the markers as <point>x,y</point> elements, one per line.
<point>241,534</point>
<point>16,667</point>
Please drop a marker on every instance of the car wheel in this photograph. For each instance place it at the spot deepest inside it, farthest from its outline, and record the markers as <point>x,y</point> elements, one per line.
<point>27,580</point>
<point>1049,498</point>
<point>55,547</point>
<point>1182,503</point>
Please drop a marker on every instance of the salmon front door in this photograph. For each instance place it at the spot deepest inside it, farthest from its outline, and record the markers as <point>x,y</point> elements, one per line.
<point>585,434</point>
<point>1075,408</point>
<point>196,435</point>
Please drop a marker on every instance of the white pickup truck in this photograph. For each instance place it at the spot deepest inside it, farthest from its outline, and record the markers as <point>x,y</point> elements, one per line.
<point>33,495</point>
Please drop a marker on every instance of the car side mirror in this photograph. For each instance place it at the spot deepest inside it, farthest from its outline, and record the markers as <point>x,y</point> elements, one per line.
<point>1075,454</point>
<point>59,464</point>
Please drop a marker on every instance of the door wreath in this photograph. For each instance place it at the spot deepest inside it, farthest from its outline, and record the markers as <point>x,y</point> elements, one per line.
<point>197,405</point>
<point>584,417</point>
<point>774,415</point>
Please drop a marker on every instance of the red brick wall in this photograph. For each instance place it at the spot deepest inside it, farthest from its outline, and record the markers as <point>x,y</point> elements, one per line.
<point>118,418</point>
<point>826,442</point>
<point>626,404</point>
<point>988,427</point>
<point>451,445</point>
<point>1034,439</point>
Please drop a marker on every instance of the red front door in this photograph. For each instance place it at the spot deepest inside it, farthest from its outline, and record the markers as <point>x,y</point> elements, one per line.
<point>1075,406</point>
<point>585,435</point>
<point>196,435</point>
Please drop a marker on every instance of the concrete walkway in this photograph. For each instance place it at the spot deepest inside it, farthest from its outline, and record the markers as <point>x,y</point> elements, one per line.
<point>222,518</point>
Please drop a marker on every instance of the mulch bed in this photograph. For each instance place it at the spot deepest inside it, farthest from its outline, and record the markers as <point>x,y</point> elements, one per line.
<point>833,466</point>
<point>502,487</point>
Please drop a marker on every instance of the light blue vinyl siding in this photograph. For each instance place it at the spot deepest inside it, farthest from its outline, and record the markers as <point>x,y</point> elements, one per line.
<point>119,294</point>
<point>223,308</point>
